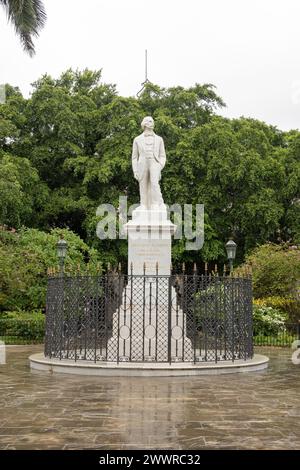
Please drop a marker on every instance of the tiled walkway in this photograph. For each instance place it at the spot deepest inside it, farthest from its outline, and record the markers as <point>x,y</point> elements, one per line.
<point>255,410</point>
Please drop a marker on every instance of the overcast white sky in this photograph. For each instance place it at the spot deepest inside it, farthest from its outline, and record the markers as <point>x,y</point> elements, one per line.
<point>249,49</point>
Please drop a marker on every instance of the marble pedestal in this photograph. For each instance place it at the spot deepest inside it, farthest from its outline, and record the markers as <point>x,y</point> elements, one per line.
<point>149,324</point>
<point>149,241</point>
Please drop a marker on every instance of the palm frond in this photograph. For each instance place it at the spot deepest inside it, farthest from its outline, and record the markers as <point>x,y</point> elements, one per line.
<point>28,18</point>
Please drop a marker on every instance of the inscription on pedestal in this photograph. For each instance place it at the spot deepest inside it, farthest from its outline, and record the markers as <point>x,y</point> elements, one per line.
<point>150,252</point>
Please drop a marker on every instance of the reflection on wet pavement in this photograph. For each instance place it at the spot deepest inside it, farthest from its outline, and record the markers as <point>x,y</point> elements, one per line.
<point>254,410</point>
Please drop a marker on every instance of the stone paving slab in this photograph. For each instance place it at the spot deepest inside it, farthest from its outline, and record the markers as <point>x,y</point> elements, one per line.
<point>254,410</point>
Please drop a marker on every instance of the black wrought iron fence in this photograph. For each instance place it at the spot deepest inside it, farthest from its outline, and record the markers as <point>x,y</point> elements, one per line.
<point>137,318</point>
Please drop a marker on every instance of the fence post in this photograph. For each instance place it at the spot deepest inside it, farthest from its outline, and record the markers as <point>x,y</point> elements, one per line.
<point>169,320</point>
<point>61,310</point>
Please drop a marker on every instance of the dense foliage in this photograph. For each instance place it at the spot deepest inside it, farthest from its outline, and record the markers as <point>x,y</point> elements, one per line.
<point>22,327</point>
<point>24,259</point>
<point>289,305</point>
<point>268,321</point>
<point>276,271</point>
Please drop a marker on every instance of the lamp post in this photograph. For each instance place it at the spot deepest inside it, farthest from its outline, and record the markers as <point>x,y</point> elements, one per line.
<point>231,252</point>
<point>62,248</point>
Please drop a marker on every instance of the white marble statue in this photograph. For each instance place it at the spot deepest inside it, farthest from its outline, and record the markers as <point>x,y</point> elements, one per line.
<point>148,159</point>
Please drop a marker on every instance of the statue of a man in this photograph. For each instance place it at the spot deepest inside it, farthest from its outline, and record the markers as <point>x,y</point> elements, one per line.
<point>148,159</point>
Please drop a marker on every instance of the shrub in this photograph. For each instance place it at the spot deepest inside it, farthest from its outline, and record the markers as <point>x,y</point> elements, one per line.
<point>24,259</point>
<point>214,294</point>
<point>21,327</point>
<point>276,270</point>
<point>268,321</point>
<point>289,306</point>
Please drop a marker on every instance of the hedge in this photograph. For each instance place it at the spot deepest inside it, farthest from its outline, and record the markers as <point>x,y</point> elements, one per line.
<point>22,328</point>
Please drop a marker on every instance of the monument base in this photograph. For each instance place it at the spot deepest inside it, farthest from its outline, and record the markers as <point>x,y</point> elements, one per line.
<point>149,241</point>
<point>39,362</point>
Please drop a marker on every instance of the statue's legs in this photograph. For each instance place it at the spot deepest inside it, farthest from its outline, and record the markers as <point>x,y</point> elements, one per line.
<point>150,192</point>
<point>144,183</point>
<point>156,196</point>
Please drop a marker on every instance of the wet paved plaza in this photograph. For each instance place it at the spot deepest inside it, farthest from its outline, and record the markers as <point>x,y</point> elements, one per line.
<point>254,410</point>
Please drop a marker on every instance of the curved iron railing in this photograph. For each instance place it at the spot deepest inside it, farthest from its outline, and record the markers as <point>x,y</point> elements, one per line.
<point>138,318</point>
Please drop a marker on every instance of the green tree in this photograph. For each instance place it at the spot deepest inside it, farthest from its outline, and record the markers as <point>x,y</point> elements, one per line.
<point>239,179</point>
<point>22,192</point>
<point>290,226</point>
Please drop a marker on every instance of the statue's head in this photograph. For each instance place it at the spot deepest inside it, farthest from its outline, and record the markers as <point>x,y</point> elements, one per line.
<point>147,122</point>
